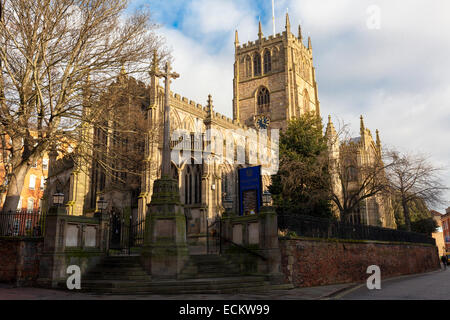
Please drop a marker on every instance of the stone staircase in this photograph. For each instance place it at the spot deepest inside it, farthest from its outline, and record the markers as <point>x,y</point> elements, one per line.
<point>208,266</point>
<point>202,274</point>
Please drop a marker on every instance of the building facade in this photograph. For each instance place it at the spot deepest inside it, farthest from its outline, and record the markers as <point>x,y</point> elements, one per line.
<point>445,219</point>
<point>438,235</point>
<point>274,81</point>
<point>34,183</point>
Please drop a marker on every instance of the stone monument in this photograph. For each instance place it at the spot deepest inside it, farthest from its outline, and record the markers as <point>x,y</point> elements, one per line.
<point>165,250</point>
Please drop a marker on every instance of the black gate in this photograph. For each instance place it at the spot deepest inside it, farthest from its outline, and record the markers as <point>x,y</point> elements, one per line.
<point>213,237</point>
<point>126,235</point>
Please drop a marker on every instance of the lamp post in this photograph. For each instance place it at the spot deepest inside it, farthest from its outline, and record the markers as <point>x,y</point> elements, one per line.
<point>227,203</point>
<point>267,198</point>
<point>101,205</point>
<point>58,199</point>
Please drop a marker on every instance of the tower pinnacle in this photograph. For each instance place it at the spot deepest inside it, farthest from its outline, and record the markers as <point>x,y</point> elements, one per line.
<point>361,125</point>
<point>288,24</point>
<point>378,141</point>
<point>260,34</point>
<point>236,39</point>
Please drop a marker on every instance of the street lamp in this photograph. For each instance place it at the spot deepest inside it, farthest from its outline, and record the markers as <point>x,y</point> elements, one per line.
<point>267,198</point>
<point>58,199</point>
<point>227,203</point>
<point>101,204</point>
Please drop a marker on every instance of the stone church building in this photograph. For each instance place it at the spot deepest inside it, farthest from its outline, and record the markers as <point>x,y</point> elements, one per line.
<point>274,81</point>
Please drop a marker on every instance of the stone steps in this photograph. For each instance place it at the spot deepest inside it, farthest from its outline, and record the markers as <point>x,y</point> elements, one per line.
<point>208,266</point>
<point>202,274</point>
<point>212,285</point>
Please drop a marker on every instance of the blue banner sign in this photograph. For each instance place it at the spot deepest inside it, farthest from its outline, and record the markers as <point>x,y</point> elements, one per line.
<point>250,190</point>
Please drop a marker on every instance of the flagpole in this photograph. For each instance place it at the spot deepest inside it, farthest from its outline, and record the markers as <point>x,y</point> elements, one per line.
<point>273,17</point>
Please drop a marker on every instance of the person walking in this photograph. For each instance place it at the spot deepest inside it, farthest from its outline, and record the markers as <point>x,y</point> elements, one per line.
<point>444,260</point>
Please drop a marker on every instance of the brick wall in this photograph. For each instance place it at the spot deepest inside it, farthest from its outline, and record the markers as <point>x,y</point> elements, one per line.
<point>306,262</point>
<point>19,260</point>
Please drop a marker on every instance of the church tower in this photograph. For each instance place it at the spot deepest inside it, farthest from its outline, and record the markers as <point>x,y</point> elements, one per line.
<point>274,79</point>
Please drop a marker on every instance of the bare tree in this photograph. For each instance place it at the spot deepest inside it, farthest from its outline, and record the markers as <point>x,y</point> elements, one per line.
<point>357,180</point>
<point>48,50</point>
<point>357,171</point>
<point>413,178</point>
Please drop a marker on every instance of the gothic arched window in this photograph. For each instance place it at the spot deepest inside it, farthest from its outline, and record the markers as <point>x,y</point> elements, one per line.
<point>267,62</point>
<point>248,66</point>
<point>257,64</point>
<point>187,186</point>
<point>193,184</point>
<point>198,184</point>
<point>263,100</point>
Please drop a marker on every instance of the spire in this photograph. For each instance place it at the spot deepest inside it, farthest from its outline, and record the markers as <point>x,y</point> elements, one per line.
<point>300,37</point>
<point>154,68</point>
<point>210,102</point>
<point>210,106</point>
<point>260,34</point>
<point>378,141</point>
<point>361,125</point>
<point>309,43</point>
<point>330,131</point>
<point>332,138</point>
<point>236,39</point>
<point>288,24</point>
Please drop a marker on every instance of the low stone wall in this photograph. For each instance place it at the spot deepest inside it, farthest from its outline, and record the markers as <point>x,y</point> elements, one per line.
<point>19,260</point>
<point>315,262</point>
<point>71,240</point>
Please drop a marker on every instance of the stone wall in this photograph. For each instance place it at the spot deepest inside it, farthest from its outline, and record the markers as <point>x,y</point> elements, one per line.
<point>19,260</point>
<point>316,262</point>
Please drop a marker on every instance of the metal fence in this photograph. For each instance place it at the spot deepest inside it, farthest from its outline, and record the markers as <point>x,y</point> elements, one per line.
<point>22,223</point>
<point>313,227</point>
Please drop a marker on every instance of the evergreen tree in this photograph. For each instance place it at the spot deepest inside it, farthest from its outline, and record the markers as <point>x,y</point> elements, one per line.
<point>302,182</point>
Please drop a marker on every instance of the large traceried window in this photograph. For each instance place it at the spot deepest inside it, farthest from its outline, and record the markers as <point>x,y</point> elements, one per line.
<point>267,62</point>
<point>257,64</point>
<point>263,100</point>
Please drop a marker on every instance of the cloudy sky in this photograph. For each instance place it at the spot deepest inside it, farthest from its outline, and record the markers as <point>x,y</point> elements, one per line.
<point>396,75</point>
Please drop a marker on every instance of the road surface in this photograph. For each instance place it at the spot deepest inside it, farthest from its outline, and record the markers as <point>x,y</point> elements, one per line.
<point>429,286</point>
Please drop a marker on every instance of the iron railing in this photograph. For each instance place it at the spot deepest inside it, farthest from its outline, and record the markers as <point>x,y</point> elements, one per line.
<point>22,223</point>
<point>314,227</point>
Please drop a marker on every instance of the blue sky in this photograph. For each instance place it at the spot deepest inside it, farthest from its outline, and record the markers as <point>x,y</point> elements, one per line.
<point>396,76</point>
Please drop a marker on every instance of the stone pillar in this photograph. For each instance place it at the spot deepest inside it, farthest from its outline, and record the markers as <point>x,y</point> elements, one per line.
<point>53,249</point>
<point>165,250</point>
<point>270,246</point>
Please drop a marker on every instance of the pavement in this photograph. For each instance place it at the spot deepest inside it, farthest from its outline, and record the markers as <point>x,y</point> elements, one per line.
<point>8,292</point>
<point>408,287</point>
